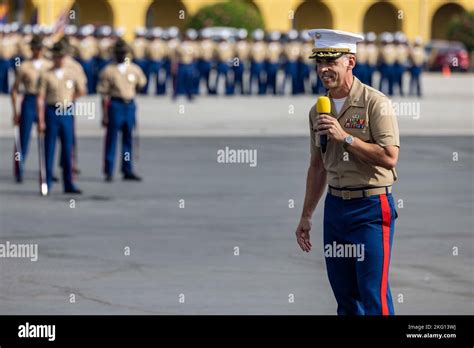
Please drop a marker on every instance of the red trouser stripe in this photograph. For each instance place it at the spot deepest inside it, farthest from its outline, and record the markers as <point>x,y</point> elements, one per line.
<point>386,218</point>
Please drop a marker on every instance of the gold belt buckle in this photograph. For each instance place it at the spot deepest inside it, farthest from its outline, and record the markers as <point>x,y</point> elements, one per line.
<point>346,194</point>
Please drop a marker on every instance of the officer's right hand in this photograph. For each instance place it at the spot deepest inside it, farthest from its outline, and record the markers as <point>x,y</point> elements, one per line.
<point>41,126</point>
<point>105,122</point>
<point>302,234</point>
<point>16,119</point>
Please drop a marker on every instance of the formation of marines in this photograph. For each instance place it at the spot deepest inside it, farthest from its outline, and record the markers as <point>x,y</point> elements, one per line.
<point>219,60</point>
<point>52,72</point>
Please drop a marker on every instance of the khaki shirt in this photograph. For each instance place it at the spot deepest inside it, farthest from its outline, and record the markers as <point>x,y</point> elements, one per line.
<point>372,53</point>
<point>293,51</point>
<point>225,51</point>
<point>402,54</point>
<point>306,51</point>
<point>258,51</point>
<point>172,45</point>
<point>104,47</point>
<point>207,49</point>
<point>59,89</point>
<point>139,46</point>
<point>362,53</point>
<point>71,63</point>
<point>8,47</point>
<point>186,52</point>
<point>366,114</point>
<point>388,54</point>
<point>417,56</point>
<point>24,49</point>
<point>156,50</point>
<point>28,74</point>
<point>242,49</point>
<point>274,50</point>
<point>114,83</point>
<point>87,48</point>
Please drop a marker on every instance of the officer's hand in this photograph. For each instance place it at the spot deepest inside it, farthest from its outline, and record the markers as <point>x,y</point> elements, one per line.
<point>330,126</point>
<point>105,122</point>
<point>41,126</point>
<point>16,119</point>
<point>302,234</point>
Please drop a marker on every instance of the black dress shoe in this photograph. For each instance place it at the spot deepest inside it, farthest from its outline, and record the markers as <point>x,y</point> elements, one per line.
<point>132,177</point>
<point>19,179</point>
<point>109,178</point>
<point>55,178</point>
<point>74,191</point>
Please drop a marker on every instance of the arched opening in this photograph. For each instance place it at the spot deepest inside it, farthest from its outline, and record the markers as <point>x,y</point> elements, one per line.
<point>382,16</point>
<point>20,10</point>
<point>441,19</point>
<point>166,14</point>
<point>97,12</point>
<point>312,14</point>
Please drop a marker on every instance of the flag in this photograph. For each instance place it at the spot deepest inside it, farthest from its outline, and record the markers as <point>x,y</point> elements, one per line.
<point>3,13</point>
<point>60,25</point>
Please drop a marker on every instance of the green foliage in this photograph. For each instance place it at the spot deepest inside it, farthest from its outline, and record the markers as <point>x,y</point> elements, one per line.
<point>461,28</point>
<point>233,13</point>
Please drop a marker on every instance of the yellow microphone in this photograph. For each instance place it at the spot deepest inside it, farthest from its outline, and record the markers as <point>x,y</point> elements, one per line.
<point>323,106</point>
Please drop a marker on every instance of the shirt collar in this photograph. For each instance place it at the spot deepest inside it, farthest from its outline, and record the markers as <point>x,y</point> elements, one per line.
<point>354,98</point>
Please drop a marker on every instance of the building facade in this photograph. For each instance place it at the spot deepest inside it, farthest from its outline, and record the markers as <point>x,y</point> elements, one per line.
<point>425,18</point>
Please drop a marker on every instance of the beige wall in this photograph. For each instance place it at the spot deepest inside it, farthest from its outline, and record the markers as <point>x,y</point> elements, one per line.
<point>414,17</point>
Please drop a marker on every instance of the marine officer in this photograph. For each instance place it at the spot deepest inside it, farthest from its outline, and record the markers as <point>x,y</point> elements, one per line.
<point>358,169</point>
<point>401,60</point>
<point>242,51</point>
<point>257,66</point>
<point>387,58</point>
<point>206,56</point>
<point>224,54</point>
<point>292,51</point>
<point>155,52</point>
<point>372,56</point>
<point>118,85</point>
<point>26,78</point>
<point>58,88</point>
<point>138,47</point>
<point>272,62</point>
<point>417,60</point>
<point>85,51</point>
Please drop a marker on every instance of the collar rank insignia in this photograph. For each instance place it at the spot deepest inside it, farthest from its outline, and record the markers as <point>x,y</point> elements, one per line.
<point>355,121</point>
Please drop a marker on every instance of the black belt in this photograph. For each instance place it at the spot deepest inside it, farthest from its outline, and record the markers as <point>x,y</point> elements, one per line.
<point>122,100</point>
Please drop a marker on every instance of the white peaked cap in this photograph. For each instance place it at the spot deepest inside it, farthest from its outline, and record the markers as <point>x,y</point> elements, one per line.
<point>370,36</point>
<point>119,31</point>
<point>418,40</point>
<point>304,35</point>
<point>157,32</point>
<point>140,31</point>
<point>242,34</point>
<point>275,35</point>
<point>192,34</point>
<point>70,29</point>
<point>258,34</point>
<point>172,32</point>
<point>292,34</point>
<point>335,40</point>
<point>386,37</point>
